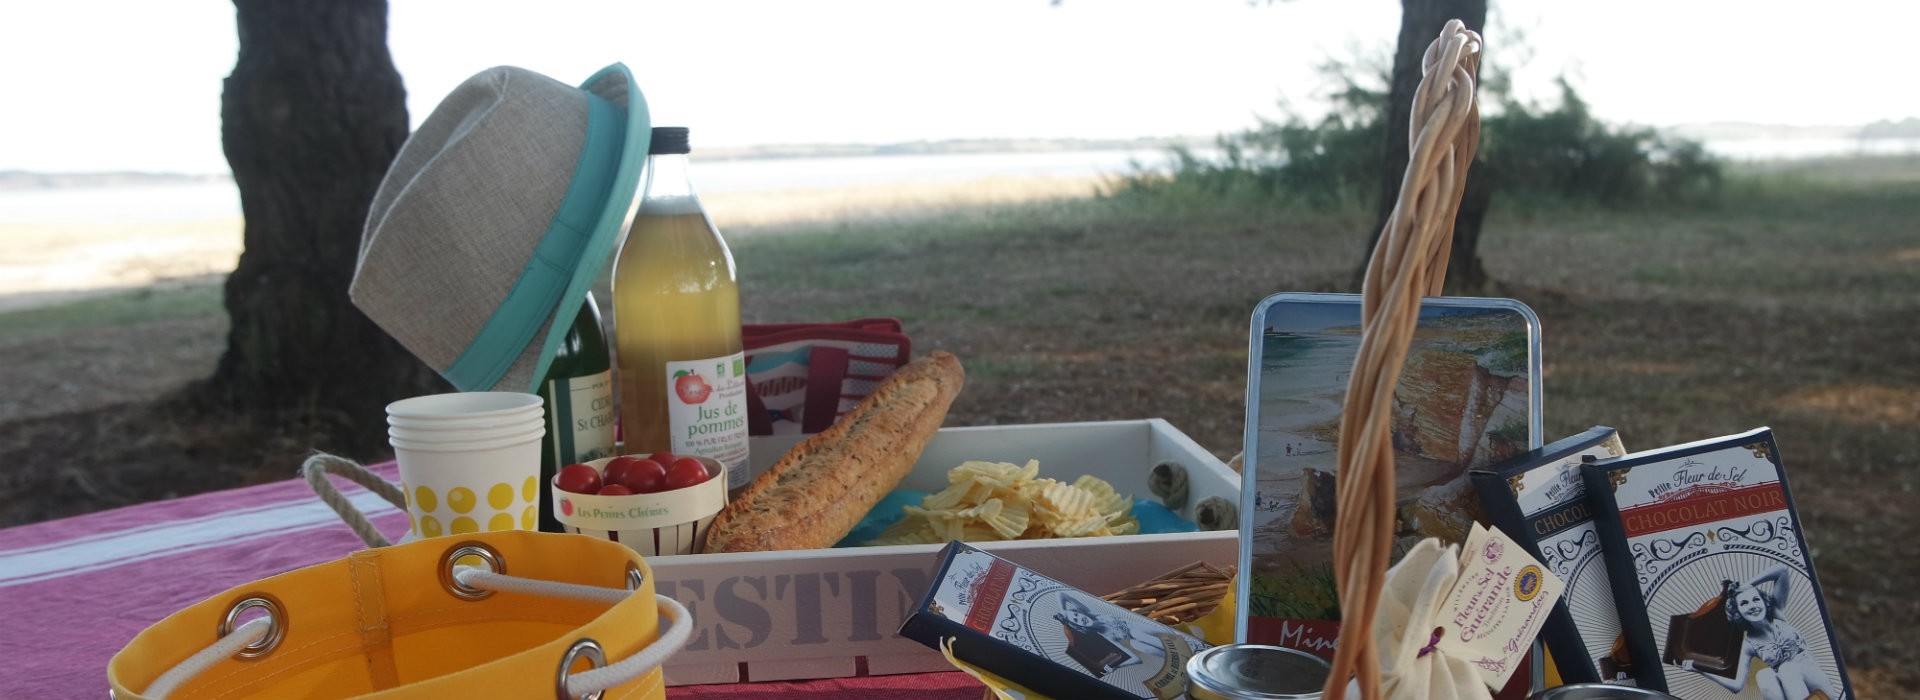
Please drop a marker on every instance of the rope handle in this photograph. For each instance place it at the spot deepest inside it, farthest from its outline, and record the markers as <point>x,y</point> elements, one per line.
<point>672,638</point>
<point>320,464</point>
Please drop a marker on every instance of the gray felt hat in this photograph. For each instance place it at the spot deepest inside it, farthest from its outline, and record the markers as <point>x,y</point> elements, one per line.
<point>495,217</point>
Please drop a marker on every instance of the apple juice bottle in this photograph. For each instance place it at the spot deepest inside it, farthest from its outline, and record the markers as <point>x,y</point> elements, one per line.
<point>676,307</point>
<point>578,390</point>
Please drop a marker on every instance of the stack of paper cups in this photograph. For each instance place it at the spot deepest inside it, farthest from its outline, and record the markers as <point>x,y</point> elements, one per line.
<point>469,461</point>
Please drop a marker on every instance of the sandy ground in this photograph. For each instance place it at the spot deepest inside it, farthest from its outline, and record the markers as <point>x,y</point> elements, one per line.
<point>42,265</point>
<point>93,368</point>
<point>45,265</point>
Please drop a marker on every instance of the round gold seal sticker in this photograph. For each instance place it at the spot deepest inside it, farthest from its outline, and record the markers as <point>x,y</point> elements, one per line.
<point>1528,583</point>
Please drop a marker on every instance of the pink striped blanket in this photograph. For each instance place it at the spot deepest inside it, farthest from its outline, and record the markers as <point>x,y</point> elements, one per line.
<point>74,591</point>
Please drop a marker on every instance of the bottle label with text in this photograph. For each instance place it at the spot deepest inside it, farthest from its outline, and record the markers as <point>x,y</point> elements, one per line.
<point>582,419</point>
<point>707,412</point>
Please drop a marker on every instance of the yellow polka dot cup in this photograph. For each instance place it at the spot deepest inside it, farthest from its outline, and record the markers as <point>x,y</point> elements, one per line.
<point>466,479</point>
<point>653,524</point>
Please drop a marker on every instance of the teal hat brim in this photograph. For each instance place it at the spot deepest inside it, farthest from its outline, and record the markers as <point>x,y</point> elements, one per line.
<point>621,200</point>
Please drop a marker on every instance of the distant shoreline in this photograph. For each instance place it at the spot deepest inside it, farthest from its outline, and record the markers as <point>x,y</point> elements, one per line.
<point>24,180</point>
<point>28,180</point>
<point>199,241</point>
<point>949,147</point>
<point>1733,140</point>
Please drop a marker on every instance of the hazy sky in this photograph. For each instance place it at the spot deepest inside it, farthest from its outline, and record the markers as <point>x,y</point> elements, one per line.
<point>135,84</point>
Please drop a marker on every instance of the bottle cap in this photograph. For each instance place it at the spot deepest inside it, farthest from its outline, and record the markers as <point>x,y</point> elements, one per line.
<point>669,140</point>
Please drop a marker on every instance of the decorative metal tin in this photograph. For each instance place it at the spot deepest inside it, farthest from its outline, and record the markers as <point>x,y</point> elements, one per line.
<point>1599,691</point>
<point>1255,672</point>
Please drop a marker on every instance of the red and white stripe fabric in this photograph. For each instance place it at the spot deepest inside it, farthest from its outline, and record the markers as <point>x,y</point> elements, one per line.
<point>74,591</point>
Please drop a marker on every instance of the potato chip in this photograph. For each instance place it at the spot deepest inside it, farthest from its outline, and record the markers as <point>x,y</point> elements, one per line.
<point>1065,500</point>
<point>1105,498</point>
<point>989,509</point>
<point>1011,521</point>
<point>974,532</point>
<point>997,471</point>
<point>987,501</point>
<point>1084,526</point>
<point>949,498</point>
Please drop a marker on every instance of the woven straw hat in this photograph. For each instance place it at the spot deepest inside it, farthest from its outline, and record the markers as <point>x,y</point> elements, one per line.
<point>495,217</point>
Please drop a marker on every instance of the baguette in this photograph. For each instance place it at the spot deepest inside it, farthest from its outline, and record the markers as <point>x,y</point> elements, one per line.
<point>820,489</point>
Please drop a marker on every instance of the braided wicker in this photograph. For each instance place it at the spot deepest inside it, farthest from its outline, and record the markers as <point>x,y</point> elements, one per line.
<point>1408,263</point>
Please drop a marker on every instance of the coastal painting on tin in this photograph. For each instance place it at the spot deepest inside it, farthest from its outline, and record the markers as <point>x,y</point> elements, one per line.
<point>1467,397</point>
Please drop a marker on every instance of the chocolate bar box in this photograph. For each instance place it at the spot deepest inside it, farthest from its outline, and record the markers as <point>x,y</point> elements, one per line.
<point>1052,638</point>
<point>1711,571</point>
<point>1539,500</point>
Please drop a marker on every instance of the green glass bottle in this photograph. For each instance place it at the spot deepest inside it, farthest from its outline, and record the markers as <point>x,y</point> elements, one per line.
<point>580,416</point>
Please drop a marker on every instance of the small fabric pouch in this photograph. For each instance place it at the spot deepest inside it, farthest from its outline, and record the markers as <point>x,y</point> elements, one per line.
<point>1410,604</point>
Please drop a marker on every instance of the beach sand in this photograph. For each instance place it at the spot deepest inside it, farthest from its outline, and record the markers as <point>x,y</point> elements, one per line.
<point>48,264</point>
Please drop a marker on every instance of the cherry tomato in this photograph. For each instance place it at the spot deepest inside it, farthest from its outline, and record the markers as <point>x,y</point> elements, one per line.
<point>619,470</point>
<point>615,490</point>
<point>663,457</point>
<point>578,478</point>
<point>645,476</point>
<point>686,471</point>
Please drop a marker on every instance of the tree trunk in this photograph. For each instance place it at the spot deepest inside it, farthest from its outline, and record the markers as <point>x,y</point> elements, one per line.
<point>1465,275</point>
<point>310,118</point>
<point>1420,24</point>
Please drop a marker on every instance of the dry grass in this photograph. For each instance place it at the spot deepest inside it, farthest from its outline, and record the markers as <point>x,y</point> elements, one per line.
<point>1793,304</point>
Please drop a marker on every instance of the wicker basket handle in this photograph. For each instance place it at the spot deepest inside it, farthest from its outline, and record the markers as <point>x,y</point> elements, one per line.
<point>1408,263</point>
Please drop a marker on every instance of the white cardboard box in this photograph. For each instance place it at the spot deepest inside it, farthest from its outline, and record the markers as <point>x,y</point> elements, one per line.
<point>830,613</point>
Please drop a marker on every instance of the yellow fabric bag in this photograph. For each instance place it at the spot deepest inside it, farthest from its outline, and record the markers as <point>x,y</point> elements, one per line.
<point>419,620</point>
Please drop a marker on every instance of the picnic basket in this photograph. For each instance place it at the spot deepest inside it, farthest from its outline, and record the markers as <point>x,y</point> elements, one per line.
<point>1409,262</point>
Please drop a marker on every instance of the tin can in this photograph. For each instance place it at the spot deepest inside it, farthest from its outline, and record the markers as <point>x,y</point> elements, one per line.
<point>1599,691</point>
<point>1255,672</point>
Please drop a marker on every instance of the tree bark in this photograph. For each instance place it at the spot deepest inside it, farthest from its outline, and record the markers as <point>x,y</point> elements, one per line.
<point>311,116</point>
<point>1420,24</point>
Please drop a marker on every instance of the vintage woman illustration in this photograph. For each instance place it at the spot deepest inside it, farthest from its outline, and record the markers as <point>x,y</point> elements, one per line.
<point>1104,643</point>
<point>1791,672</point>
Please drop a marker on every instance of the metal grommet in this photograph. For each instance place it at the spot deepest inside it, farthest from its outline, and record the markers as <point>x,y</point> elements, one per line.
<point>587,648</point>
<point>276,624</point>
<point>634,577</point>
<point>470,548</point>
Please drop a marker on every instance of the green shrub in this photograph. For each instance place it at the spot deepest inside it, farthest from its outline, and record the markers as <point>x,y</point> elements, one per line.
<point>1535,154</point>
<point>1564,153</point>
